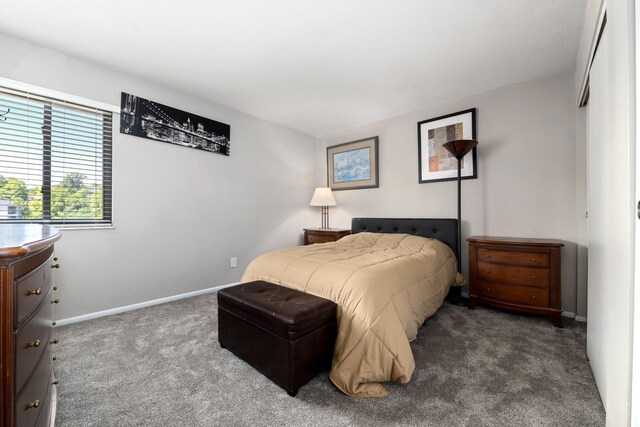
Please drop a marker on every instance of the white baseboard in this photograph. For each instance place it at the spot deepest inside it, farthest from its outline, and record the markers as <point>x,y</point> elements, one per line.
<point>574,316</point>
<point>131,307</point>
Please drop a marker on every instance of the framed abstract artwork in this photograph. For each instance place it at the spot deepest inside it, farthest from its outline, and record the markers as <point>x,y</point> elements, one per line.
<point>435,163</point>
<point>353,165</point>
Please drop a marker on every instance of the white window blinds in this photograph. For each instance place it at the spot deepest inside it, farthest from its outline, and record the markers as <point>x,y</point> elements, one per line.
<point>55,160</point>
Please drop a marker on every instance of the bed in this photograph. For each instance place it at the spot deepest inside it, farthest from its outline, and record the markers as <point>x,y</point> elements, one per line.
<point>386,278</point>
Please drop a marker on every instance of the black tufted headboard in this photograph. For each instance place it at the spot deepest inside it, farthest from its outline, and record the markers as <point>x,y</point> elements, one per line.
<point>443,229</point>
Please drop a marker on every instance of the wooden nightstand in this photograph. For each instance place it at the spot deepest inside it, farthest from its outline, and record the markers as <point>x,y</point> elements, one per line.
<point>324,235</point>
<point>517,274</point>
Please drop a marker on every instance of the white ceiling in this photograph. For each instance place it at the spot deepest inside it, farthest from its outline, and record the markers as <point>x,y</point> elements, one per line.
<point>313,65</point>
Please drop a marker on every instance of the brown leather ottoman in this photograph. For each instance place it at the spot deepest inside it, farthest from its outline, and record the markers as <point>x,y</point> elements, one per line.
<point>286,334</point>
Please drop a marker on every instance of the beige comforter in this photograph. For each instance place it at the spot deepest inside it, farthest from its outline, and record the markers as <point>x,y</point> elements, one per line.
<point>385,286</point>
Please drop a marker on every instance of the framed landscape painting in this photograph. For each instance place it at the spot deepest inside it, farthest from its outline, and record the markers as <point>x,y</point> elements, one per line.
<point>353,165</point>
<point>435,163</point>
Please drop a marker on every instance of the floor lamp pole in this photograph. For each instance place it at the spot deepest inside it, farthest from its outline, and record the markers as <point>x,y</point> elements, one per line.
<point>459,149</point>
<point>460,206</point>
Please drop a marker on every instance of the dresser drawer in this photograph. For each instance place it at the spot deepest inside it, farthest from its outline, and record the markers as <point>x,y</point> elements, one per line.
<point>31,290</point>
<point>30,403</point>
<point>532,259</point>
<point>319,238</point>
<point>514,294</point>
<point>518,275</point>
<point>31,341</point>
<point>46,412</point>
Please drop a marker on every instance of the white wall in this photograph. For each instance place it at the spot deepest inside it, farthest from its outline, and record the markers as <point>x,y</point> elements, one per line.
<point>179,213</point>
<point>526,184</point>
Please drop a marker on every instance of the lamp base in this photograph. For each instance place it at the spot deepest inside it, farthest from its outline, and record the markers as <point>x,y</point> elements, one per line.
<point>325,218</point>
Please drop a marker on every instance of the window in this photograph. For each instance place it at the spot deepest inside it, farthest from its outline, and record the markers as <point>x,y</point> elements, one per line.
<point>55,160</point>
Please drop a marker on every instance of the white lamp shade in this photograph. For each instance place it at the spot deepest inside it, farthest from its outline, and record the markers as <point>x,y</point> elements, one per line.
<point>323,196</point>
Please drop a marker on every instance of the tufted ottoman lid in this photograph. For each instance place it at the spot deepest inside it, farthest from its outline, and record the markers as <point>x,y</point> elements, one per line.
<point>285,312</point>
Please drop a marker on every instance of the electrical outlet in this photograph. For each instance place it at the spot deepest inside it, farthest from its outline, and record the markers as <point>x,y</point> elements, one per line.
<point>234,262</point>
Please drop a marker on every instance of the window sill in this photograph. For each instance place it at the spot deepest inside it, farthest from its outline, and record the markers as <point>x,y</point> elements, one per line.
<point>83,227</point>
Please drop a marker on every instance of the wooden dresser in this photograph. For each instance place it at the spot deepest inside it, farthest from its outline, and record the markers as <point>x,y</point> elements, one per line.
<point>517,274</point>
<point>27,392</point>
<point>324,235</point>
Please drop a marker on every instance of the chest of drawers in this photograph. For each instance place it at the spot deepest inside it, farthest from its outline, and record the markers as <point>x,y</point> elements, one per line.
<point>516,274</point>
<point>27,391</point>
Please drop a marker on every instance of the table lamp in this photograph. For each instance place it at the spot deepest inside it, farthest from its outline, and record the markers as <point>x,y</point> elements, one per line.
<point>323,197</point>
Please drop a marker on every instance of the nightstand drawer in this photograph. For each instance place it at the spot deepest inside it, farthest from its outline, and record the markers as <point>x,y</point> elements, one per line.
<point>316,238</point>
<point>324,235</point>
<point>517,275</point>
<point>513,257</point>
<point>514,294</point>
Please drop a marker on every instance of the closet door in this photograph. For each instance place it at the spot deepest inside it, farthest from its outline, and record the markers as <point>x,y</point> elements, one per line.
<point>598,216</point>
<point>635,361</point>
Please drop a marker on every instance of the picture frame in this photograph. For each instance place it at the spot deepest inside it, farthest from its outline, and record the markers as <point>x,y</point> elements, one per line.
<point>435,163</point>
<point>152,120</point>
<point>353,165</point>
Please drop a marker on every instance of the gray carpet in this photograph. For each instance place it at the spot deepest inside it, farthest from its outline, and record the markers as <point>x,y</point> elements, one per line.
<point>162,366</point>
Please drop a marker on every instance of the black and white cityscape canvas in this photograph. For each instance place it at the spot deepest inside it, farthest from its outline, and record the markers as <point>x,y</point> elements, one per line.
<point>148,119</point>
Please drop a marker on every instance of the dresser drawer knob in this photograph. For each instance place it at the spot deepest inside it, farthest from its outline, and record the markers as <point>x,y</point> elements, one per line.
<point>55,301</point>
<point>35,343</point>
<point>487,271</point>
<point>534,297</point>
<point>487,256</point>
<point>53,323</point>
<point>55,382</point>
<point>54,358</point>
<point>533,260</point>
<point>533,277</point>
<point>488,289</point>
<point>34,405</point>
<point>55,265</point>
<point>55,288</point>
<point>55,259</point>
<point>53,342</point>
<point>33,291</point>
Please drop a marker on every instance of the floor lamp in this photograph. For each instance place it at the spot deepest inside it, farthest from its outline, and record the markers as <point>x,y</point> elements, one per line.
<point>459,149</point>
